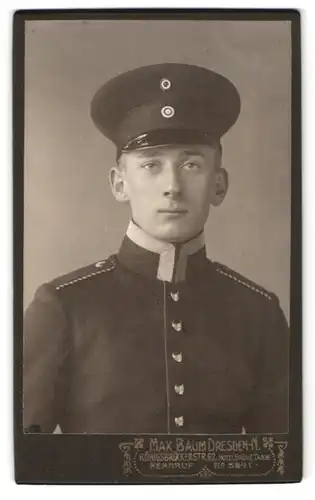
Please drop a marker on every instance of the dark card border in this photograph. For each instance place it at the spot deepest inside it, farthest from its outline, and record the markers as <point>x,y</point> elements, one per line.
<point>92,459</point>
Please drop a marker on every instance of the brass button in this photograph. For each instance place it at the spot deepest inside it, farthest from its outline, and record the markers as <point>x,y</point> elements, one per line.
<point>179,389</point>
<point>175,296</point>
<point>179,421</point>
<point>177,325</point>
<point>178,357</point>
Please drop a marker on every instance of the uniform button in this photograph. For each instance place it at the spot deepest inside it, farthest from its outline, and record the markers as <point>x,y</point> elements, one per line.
<point>179,389</point>
<point>175,296</point>
<point>177,325</point>
<point>179,421</point>
<point>177,356</point>
<point>100,263</point>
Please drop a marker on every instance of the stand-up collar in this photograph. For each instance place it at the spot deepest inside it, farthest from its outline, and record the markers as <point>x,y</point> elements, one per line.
<point>165,261</point>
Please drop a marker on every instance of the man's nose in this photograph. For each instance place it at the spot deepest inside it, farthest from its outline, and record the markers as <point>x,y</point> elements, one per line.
<point>172,185</point>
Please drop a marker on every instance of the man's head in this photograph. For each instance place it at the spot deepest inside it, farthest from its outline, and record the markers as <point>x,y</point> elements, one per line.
<point>167,121</point>
<point>170,188</point>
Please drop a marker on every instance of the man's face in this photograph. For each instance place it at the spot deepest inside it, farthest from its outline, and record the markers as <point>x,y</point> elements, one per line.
<point>169,188</point>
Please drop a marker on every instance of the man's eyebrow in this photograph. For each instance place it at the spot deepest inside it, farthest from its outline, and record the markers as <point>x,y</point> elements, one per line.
<point>150,153</point>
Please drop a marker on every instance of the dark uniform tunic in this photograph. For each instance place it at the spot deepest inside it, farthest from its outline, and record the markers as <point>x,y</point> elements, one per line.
<point>112,348</point>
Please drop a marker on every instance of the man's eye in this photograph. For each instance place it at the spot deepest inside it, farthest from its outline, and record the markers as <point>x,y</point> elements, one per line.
<point>151,165</point>
<point>191,165</point>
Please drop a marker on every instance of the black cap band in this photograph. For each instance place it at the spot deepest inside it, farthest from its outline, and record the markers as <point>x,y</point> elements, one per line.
<point>168,137</point>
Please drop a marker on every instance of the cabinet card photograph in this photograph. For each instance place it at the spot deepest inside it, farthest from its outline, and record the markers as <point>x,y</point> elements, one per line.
<point>157,177</point>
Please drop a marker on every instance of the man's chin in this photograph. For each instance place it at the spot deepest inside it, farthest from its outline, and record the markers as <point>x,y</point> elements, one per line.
<point>169,231</point>
<point>175,236</point>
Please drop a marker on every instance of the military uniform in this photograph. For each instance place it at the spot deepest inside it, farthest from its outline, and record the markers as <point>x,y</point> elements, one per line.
<point>158,338</point>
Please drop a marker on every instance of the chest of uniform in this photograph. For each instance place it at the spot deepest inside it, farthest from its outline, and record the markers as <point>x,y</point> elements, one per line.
<point>160,347</point>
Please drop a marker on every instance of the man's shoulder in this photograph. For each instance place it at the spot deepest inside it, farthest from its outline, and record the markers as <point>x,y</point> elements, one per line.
<point>241,284</point>
<point>84,274</point>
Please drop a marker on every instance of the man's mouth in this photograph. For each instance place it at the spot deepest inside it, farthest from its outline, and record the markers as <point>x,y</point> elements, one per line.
<point>172,211</point>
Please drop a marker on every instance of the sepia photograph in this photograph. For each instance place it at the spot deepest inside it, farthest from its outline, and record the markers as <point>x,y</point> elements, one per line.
<point>157,257</point>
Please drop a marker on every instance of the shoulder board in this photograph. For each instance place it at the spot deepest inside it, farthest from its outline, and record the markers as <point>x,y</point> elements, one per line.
<point>86,273</point>
<point>241,280</point>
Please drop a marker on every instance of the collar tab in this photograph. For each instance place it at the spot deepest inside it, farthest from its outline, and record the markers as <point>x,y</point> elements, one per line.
<point>163,260</point>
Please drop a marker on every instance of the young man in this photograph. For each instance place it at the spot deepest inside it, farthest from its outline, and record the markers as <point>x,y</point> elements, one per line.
<point>159,339</point>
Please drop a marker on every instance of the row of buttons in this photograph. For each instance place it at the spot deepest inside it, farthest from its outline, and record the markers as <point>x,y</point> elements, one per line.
<point>178,357</point>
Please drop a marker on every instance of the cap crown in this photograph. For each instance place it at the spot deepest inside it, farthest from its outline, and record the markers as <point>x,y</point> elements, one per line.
<point>168,97</point>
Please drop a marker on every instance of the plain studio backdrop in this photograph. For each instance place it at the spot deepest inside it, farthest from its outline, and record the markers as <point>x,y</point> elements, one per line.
<point>71,218</point>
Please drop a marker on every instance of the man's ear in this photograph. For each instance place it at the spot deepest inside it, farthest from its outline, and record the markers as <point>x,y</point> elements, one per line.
<point>118,184</point>
<point>221,186</point>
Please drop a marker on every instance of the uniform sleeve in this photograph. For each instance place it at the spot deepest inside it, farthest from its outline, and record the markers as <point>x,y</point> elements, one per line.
<point>44,350</point>
<point>270,404</point>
